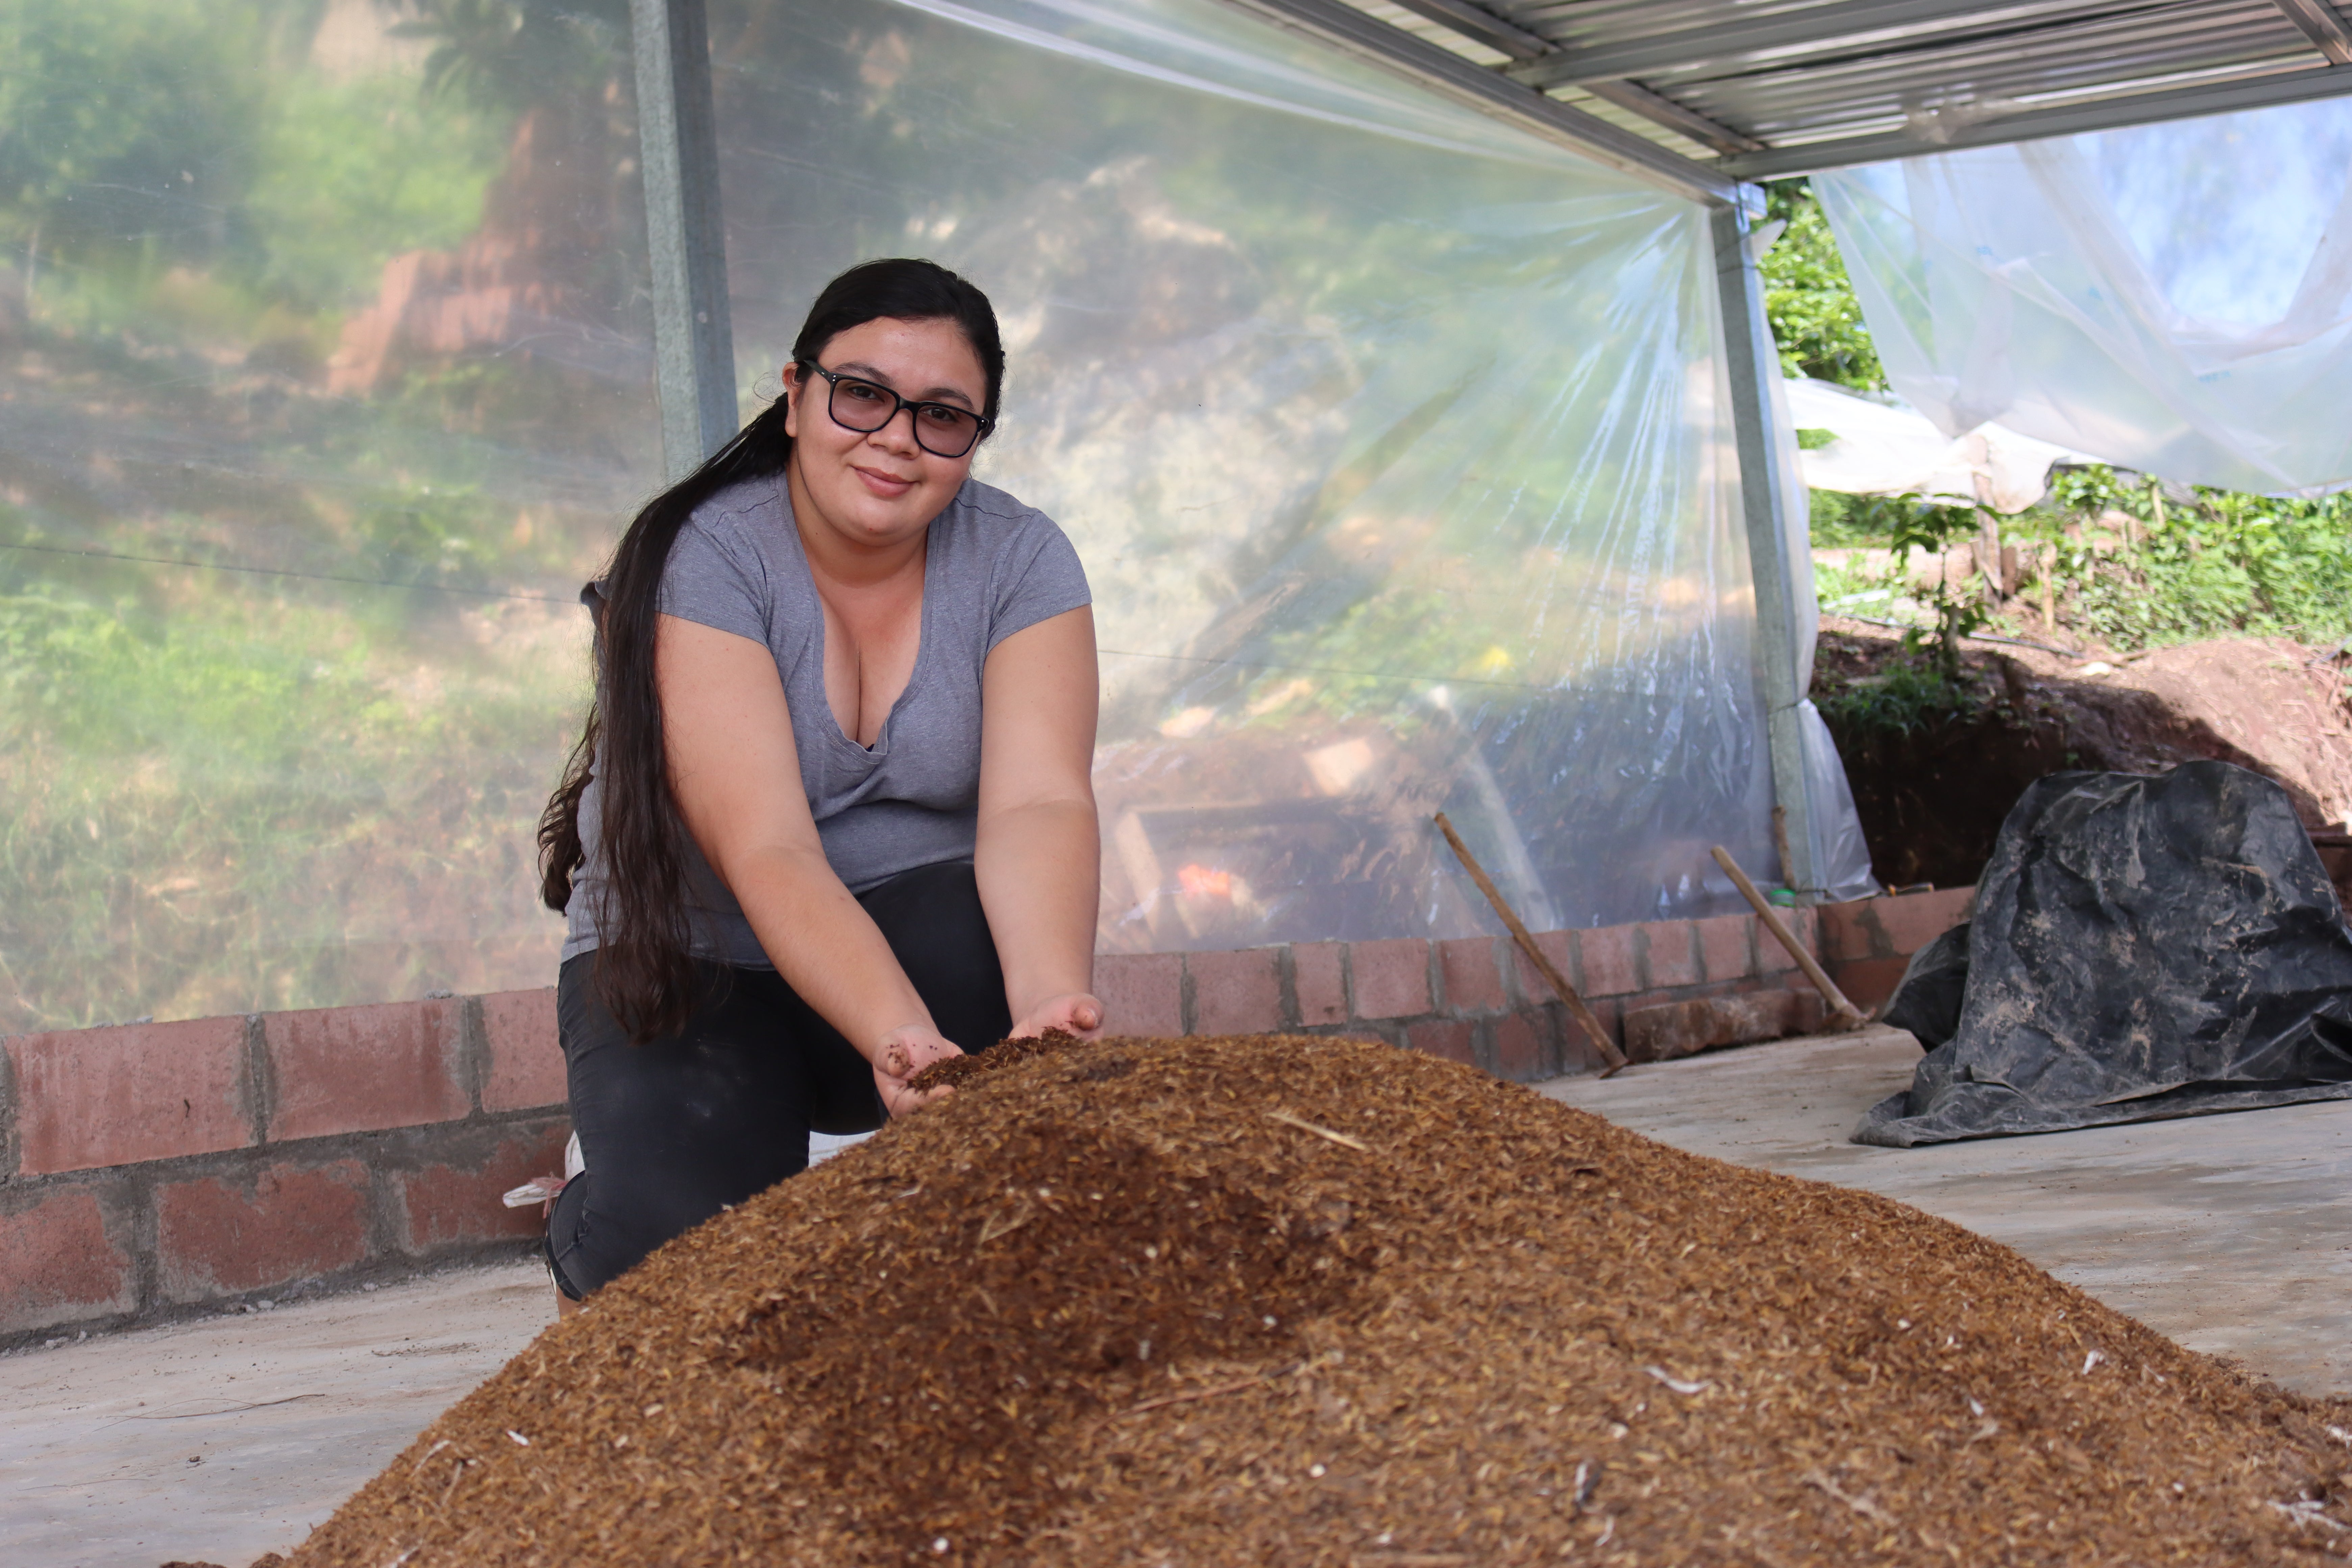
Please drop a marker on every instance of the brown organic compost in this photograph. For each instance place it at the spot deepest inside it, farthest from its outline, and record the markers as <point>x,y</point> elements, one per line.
<point>1322,1301</point>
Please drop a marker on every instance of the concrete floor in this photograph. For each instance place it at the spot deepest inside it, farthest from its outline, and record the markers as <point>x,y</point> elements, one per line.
<point>2231,1234</point>
<point>217,1440</point>
<point>220,1439</point>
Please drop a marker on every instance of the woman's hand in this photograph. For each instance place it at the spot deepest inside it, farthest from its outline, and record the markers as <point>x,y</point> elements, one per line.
<point>903,1053</point>
<point>1077,1013</point>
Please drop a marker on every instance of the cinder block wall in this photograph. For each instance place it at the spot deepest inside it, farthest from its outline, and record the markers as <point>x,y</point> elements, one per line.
<point>154,1170</point>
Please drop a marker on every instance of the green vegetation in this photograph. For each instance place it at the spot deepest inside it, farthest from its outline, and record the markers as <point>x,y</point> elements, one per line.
<point>1817,321</point>
<point>261,812</point>
<point>1840,521</point>
<point>1924,685</point>
<point>106,105</point>
<point>2137,570</point>
<point>287,657</point>
<point>1910,695</point>
<point>349,175</point>
<point>2126,564</point>
<point>2123,563</point>
<point>1808,299</point>
<point>1932,528</point>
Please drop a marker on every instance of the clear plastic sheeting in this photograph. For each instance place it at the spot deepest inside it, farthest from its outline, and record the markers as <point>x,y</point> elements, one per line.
<point>2175,299</point>
<point>325,370</point>
<point>1840,853</point>
<point>1395,441</point>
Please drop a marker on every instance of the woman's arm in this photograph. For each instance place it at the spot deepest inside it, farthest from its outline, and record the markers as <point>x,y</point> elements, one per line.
<point>736,775</point>
<point>1037,860</point>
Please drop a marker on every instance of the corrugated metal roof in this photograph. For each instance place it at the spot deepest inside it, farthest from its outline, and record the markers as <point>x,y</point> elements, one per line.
<point>1731,89</point>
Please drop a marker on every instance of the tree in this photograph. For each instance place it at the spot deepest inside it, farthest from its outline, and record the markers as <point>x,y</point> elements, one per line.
<point>124,119</point>
<point>1810,301</point>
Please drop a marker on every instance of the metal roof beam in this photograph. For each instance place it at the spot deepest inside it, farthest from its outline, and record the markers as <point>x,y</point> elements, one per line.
<point>2033,124</point>
<point>1855,24</point>
<point>1636,99</point>
<point>1507,38</point>
<point>2322,26</point>
<point>1330,22</point>
<point>1477,22</point>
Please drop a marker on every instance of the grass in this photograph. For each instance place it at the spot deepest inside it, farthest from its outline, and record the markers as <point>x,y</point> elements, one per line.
<point>279,803</point>
<point>1911,694</point>
<point>2135,567</point>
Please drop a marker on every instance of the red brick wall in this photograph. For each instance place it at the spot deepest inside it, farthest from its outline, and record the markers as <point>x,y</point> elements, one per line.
<point>156,1168</point>
<point>1866,944</point>
<point>1475,1000</point>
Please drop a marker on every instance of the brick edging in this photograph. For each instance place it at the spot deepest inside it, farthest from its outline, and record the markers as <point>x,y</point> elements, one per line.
<point>151,1171</point>
<point>162,1239</point>
<point>1475,999</point>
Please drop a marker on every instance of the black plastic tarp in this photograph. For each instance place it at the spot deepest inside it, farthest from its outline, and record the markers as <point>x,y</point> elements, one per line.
<point>2143,947</point>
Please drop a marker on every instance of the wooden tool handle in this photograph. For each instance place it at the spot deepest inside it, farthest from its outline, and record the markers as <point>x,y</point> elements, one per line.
<point>1592,1026</point>
<point>1813,971</point>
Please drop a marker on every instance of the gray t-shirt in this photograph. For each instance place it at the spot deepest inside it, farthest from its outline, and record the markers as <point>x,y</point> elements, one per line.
<point>994,567</point>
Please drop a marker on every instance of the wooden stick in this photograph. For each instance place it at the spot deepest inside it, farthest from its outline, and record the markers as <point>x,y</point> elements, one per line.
<point>1558,981</point>
<point>1288,1120</point>
<point>1813,971</point>
<point>1310,1364</point>
<point>1191,1395</point>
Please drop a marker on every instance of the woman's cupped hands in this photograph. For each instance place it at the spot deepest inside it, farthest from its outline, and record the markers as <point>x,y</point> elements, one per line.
<point>906,1051</point>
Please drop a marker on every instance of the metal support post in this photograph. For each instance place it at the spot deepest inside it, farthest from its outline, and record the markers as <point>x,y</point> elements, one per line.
<point>1764,500</point>
<point>677,133</point>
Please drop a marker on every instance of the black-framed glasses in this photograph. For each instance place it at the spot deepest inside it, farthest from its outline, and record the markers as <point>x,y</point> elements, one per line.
<point>942,429</point>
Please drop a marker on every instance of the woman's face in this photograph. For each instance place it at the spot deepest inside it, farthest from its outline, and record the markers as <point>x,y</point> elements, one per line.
<point>879,488</point>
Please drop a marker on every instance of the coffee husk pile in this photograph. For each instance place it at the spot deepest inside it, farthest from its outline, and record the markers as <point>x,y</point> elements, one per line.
<point>1315,1301</point>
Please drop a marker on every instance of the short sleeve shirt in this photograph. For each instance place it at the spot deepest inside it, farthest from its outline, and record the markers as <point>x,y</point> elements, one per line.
<point>993,567</point>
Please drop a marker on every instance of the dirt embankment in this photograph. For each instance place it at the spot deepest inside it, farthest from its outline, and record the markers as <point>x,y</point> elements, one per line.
<point>1932,798</point>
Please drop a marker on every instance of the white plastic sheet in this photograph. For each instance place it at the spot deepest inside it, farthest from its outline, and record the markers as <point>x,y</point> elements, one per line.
<point>1840,853</point>
<point>2175,299</point>
<point>1884,446</point>
<point>1395,440</point>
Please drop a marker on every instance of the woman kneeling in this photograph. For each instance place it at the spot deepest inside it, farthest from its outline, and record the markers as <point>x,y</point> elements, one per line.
<point>831,819</point>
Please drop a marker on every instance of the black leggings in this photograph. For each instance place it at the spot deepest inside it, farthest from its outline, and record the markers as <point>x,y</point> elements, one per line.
<point>676,1129</point>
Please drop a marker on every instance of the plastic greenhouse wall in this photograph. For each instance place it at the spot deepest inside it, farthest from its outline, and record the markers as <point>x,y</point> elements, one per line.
<point>1392,439</point>
<point>1395,442</point>
<point>325,360</point>
<point>2175,299</point>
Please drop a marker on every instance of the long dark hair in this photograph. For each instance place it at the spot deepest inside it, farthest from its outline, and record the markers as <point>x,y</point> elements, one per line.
<point>645,970</point>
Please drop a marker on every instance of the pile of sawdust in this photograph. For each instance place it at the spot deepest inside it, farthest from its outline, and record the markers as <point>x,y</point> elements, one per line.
<point>1310,1301</point>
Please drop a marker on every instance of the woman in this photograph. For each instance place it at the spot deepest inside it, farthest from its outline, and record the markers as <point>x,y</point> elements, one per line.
<point>831,819</point>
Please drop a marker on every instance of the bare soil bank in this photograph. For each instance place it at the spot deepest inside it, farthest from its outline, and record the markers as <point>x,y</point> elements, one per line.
<point>1932,800</point>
